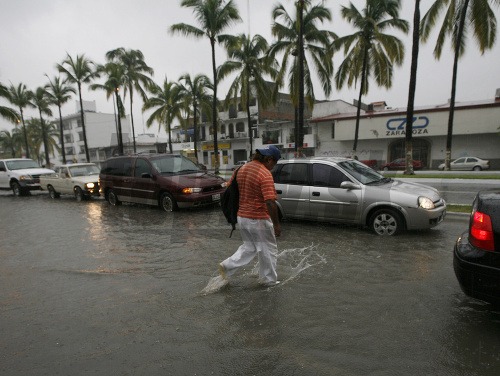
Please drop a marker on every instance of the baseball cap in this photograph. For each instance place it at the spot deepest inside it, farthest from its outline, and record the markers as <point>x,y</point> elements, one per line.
<point>270,151</point>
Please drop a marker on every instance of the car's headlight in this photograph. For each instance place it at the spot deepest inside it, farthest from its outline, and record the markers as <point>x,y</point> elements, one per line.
<point>90,185</point>
<point>188,191</point>
<point>425,203</point>
<point>25,177</point>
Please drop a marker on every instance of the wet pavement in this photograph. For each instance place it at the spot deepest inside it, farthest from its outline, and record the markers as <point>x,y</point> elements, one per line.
<point>90,289</point>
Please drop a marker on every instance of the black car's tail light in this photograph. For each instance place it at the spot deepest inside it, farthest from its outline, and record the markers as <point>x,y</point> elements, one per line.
<point>481,232</point>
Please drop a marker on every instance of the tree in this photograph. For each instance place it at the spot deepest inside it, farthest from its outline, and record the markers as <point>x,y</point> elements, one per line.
<point>7,112</point>
<point>411,90</point>
<point>167,105</point>
<point>194,94</point>
<point>370,51</point>
<point>45,133</point>
<point>11,141</point>
<point>41,101</point>
<point>79,71</point>
<point>295,35</point>
<point>20,96</point>
<point>115,78</point>
<point>461,18</point>
<point>250,61</point>
<point>135,74</point>
<point>213,16</point>
<point>59,92</point>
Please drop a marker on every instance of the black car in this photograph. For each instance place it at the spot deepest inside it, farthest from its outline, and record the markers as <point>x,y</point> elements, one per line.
<point>476,257</point>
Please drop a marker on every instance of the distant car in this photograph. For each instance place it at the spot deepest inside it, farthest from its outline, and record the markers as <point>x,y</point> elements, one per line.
<point>347,191</point>
<point>78,179</point>
<point>468,164</point>
<point>239,164</point>
<point>370,163</point>
<point>400,164</point>
<point>476,255</point>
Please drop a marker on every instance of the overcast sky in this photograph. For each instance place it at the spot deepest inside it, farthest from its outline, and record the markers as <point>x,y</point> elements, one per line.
<point>37,34</point>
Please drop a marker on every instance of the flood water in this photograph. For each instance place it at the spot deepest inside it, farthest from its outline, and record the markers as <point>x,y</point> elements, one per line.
<point>91,289</point>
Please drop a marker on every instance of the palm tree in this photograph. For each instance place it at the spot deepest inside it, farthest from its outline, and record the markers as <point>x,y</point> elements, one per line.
<point>7,112</point>
<point>115,78</point>
<point>193,92</point>
<point>41,101</point>
<point>20,96</point>
<point>461,18</point>
<point>370,51</point>
<point>167,104</point>
<point>42,133</point>
<point>412,89</point>
<point>59,92</point>
<point>213,16</point>
<point>136,75</point>
<point>250,60</point>
<point>11,141</point>
<point>79,71</point>
<point>293,32</point>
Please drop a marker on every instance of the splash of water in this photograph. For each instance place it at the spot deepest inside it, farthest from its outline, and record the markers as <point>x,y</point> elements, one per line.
<point>215,284</point>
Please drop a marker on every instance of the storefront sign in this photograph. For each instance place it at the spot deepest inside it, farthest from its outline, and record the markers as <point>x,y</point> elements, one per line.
<point>397,127</point>
<point>220,145</point>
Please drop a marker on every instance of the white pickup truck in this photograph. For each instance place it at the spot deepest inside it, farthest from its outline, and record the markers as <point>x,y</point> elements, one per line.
<point>22,175</point>
<point>78,179</point>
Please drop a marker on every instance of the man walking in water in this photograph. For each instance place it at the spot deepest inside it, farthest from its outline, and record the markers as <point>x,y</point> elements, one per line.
<point>257,217</point>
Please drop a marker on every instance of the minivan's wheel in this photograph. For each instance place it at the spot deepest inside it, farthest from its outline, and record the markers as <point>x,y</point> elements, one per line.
<point>52,192</point>
<point>386,222</point>
<point>477,168</point>
<point>167,202</point>
<point>112,198</point>
<point>79,194</point>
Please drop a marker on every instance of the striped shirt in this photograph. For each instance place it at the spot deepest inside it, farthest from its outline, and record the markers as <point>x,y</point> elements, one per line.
<point>256,186</point>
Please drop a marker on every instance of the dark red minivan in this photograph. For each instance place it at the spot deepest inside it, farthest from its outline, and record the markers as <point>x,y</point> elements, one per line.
<point>166,180</point>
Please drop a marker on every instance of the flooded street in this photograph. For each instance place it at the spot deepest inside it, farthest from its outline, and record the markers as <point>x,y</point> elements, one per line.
<point>91,289</point>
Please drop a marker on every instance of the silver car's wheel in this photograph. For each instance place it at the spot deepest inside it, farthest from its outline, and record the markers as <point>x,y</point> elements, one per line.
<point>79,194</point>
<point>386,168</point>
<point>167,202</point>
<point>112,199</point>
<point>477,168</point>
<point>52,192</point>
<point>386,222</point>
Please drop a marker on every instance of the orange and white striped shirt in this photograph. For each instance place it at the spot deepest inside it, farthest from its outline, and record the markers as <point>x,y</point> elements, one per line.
<point>256,186</point>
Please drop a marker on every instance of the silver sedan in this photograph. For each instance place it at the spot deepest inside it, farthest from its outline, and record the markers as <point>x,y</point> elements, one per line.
<point>347,191</point>
<point>468,164</point>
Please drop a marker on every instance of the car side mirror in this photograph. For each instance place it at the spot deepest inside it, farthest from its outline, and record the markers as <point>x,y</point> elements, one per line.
<point>349,185</point>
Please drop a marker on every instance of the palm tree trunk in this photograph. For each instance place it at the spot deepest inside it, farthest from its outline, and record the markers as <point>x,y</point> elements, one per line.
<point>132,118</point>
<point>358,112</point>
<point>195,130</point>
<point>449,135</point>
<point>45,143</point>
<point>119,135</point>
<point>25,133</point>
<point>169,130</point>
<point>300,133</point>
<point>214,108</point>
<point>61,134</point>
<point>412,88</point>
<point>83,123</point>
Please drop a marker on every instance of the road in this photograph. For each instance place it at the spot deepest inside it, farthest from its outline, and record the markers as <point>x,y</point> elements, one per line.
<point>91,289</point>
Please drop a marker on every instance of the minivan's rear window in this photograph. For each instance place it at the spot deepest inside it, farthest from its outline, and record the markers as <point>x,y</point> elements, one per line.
<point>118,167</point>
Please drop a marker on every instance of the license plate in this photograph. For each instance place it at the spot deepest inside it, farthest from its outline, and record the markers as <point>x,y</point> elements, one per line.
<point>216,197</point>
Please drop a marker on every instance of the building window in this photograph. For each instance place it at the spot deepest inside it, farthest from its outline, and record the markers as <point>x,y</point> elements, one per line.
<point>80,136</point>
<point>78,123</point>
<point>70,151</point>
<point>240,127</point>
<point>68,138</point>
<point>82,149</point>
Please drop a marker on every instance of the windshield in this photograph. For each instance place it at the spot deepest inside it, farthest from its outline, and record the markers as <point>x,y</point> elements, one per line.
<point>84,170</point>
<point>174,164</point>
<point>22,164</point>
<point>361,172</point>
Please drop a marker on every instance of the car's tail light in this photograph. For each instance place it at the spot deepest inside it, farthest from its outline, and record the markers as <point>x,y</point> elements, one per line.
<point>481,232</point>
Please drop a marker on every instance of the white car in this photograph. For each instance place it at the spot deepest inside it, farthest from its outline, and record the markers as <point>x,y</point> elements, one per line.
<point>21,175</point>
<point>468,164</point>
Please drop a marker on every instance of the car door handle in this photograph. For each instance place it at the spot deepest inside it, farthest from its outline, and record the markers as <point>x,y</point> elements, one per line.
<point>279,191</point>
<point>315,193</point>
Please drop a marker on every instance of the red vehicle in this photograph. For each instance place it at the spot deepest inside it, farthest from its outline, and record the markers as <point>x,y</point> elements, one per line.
<point>400,164</point>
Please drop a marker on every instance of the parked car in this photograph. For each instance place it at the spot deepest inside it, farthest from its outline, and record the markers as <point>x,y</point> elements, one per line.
<point>347,191</point>
<point>238,164</point>
<point>468,164</point>
<point>400,164</point>
<point>167,180</point>
<point>370,163</point>
<point>21,175</point>
<point>78,179</point>
<point>476,255</point>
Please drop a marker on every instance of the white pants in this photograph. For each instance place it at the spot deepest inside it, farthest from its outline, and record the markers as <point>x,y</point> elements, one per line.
<point>258,239</point>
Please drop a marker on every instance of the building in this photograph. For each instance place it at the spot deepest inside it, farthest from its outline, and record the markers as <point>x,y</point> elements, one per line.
<point>382,132</point>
